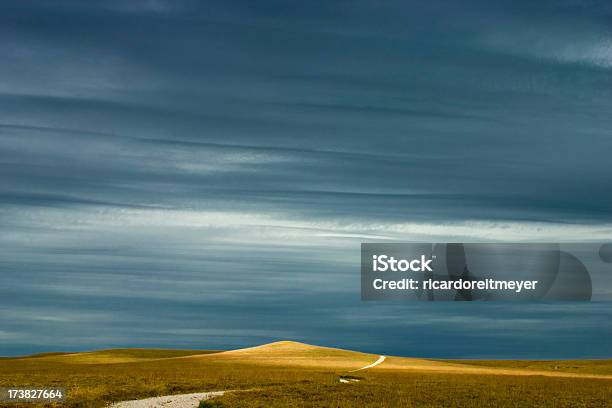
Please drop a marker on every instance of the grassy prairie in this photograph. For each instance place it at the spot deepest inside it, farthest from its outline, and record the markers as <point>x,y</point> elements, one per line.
<point>288,374</point>
<point>391,389</point>
<point>603,367</point>
<point>110,356</point>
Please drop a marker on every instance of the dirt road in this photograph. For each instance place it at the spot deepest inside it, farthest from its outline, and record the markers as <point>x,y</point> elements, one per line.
<point>169,401</point>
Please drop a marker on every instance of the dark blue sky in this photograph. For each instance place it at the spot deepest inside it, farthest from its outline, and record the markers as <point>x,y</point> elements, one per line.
<point>201,174</point>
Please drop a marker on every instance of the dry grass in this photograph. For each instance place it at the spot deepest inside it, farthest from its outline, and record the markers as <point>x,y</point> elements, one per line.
<point>596,367</point>
<point>290,353</point>
<point>290,374</point>
<point>410,389</point>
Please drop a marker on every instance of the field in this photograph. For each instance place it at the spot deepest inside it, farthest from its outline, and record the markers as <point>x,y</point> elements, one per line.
<point>289,374</point>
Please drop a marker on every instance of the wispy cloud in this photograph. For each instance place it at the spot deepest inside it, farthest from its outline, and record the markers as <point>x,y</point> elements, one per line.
<point>591,46</point>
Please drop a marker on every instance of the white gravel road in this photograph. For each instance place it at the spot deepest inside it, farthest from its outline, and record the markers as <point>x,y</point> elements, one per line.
<point>169,401</point>
<point>374,364</point>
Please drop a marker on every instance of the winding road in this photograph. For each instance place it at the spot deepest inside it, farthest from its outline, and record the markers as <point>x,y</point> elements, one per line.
<point>374,364</point>
<point>193,400</point>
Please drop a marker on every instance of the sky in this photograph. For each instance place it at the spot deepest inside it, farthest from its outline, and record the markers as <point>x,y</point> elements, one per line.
<point>201,174</point>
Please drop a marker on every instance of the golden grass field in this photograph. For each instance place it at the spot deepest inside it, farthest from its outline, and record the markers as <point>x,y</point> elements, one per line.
<point>290,374</point>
